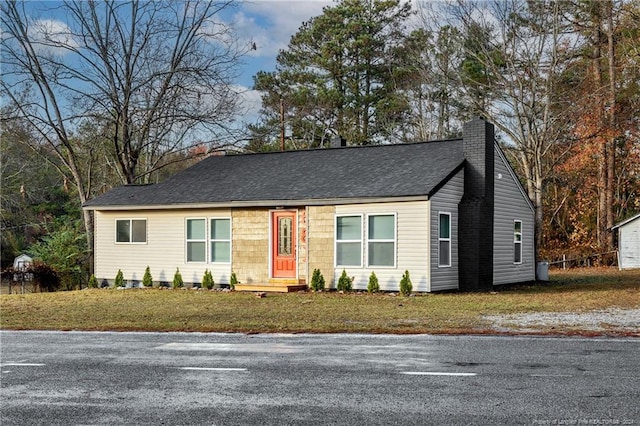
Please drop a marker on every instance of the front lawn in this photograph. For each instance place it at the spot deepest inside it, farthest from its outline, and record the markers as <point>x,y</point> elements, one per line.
<point>326,312</point>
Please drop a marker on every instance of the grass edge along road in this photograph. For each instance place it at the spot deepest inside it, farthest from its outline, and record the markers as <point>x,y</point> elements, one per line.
<point>574,291</point>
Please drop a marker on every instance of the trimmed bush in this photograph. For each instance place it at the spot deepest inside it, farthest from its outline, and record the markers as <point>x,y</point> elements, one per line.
<point>207,280</point>
<point>317,280</point>
<point>93,282</point>
<point>344,283</point>
<point>373,286</point>
<point>119,280</point>
<point>177,279</point>
<point>147,279</point>
<point>405,284</point>
<point>233,281</point>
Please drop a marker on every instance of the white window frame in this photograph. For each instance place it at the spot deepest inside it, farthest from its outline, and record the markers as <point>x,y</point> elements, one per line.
<point>440,240</point>
<point>130,220</point>
<point>211,240</point>
<point>187,240</point>
<point>517,242</point>
<point>336,241</point>
<point>394,240</point>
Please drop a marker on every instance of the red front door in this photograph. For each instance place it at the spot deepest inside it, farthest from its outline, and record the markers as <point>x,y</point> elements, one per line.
<point>283,244</point>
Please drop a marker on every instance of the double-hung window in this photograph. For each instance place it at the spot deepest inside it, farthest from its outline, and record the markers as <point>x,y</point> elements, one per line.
<point>381,241</point>
<point>196,240</point>
<point>131,231</point>
<point>349,240</point>
<point>444,239</point>
<point>517,241</point>
<point>215,234</point>
<point>375,242</point>
<point>220,240</point>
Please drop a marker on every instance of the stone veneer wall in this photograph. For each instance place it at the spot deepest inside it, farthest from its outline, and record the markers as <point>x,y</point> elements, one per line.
<point>250,247</point>
<point>320,244</point>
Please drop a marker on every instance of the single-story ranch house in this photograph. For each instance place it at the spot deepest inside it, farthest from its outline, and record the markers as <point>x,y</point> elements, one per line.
<point>452,213</point>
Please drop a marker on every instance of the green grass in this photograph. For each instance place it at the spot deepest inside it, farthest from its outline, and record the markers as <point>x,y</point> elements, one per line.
<point>206,311</point>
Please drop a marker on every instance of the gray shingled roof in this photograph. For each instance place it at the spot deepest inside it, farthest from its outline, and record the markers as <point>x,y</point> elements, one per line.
<point>381,171</point>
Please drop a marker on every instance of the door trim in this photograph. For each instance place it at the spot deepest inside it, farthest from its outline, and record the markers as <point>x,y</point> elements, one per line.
<point>271,242</point>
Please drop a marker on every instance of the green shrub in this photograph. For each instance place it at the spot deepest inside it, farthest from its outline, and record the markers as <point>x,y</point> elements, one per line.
<point>177,279</point>
<point>405,284</point>
<point>207,280</point>
<point>93,282</point>
<point>344,283</point>
<point>373,286</point>
<point>147,279</point>
<point>64,249</point>
<point>317,280</point>
<point>233,281</point>
<point>119,281</point>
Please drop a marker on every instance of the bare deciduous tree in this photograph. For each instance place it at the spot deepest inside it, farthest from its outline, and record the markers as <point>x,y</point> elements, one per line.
<point>156,75</point>
<point>519,67</point>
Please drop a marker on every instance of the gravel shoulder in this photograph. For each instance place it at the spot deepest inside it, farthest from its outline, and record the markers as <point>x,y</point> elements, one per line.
<point>610,321</point>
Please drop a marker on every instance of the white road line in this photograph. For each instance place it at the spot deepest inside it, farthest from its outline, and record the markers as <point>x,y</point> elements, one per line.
<point>213,369</point>
<point>435,373</point>
<point>551,375</point>
<point>21,364</point>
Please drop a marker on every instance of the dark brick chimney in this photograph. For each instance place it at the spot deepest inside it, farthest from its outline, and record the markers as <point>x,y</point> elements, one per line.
<point>475,222</point>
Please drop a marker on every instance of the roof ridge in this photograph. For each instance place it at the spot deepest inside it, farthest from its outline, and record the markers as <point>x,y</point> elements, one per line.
<point>335,148</point>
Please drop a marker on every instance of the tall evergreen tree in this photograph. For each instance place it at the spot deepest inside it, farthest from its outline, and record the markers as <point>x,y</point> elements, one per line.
<point>336,78</point>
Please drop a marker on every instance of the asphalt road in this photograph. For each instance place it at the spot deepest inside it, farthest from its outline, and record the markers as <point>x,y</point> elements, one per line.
<point>78,378</point>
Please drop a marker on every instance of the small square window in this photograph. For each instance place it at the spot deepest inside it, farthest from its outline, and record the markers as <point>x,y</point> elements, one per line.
<point>131,231</point>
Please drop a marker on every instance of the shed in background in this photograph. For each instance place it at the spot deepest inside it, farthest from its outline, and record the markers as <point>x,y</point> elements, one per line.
<point>22,262</point>
<point>629,242</point>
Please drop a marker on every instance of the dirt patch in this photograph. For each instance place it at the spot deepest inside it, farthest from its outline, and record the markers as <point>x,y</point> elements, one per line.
<point>613,320</point>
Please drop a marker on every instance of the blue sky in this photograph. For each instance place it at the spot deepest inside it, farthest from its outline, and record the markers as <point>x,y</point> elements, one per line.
<point>268,23</point>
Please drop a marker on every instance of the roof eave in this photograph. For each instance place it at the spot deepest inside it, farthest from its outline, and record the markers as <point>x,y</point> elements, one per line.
<point>624,222</point>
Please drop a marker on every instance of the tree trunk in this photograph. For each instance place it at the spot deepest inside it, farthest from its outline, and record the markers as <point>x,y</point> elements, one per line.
<point>602,141</point>
<point>87,216</point>
<point>611,139</point>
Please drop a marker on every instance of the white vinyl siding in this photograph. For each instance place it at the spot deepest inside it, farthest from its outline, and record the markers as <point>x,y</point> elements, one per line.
<point>446,200</point>
<point>629,244</point>
<point>131,231</point>
<point>164,251</point>
<point>511,205</point>
<point>411,244</point>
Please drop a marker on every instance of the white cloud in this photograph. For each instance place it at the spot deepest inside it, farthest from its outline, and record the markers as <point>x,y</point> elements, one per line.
<point>50,36</point>
<point>271,23</point>
<point>250,104</point>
